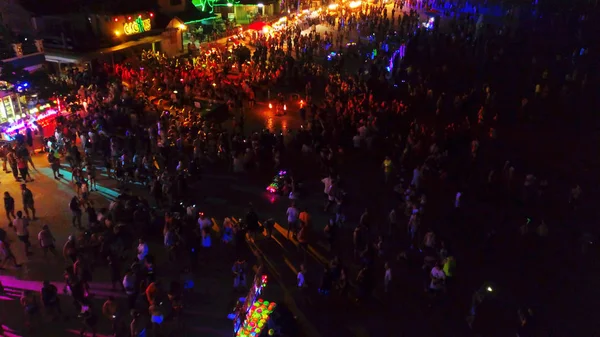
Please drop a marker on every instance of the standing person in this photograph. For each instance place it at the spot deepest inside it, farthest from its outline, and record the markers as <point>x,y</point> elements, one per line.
<point>387,278</point>
<point>9,207</point>
<point>129,283</point>
<point>142,250</point>
<point>292,218</point>
<point>70,249</point>
<point>75,207</point>
<point>89,319</point>
<point>12,161</point>
<point>304,218</point>
<point>47,241</point>
<point>30,308</point>
<point>252,222</point>
<point>239,275</point>
<point>111,310</point>
<point>23,167</point>
<point>28,201</point>
<point>21,227</point>
<point>91,171</point>
<point>138,324</point>
<point>50,300</point>
<point>388,167</point>
<point>54,160</point>
<point>114,266</point>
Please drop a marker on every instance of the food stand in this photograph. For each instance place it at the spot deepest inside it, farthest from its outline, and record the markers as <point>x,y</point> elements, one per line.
<point>252,313</point>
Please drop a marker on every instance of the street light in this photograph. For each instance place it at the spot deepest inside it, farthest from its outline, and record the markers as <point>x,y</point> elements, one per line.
<point>229,4</point>
<point>260,5</point>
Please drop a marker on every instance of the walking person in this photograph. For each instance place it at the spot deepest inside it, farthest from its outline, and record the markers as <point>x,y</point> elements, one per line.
<point>9,207</point>
<point>293,219</point>
<point>7,254</point>
<point>23,167</point>
<point>75,207</point>
<point>47,241</point>
<point>21,227</point>
<point>28,201</point>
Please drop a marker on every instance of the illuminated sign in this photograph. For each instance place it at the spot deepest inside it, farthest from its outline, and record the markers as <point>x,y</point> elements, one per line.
<point>137,26</point>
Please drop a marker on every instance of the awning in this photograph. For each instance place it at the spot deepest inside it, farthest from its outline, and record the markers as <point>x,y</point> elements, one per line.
<point>58,57</point>
<point>129,44</point>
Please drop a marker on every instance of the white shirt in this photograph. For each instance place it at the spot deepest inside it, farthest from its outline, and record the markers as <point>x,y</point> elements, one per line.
<point>292,214</point>
<point>327,182</point>
<point>142,251</point>
<point>21,225</point>
<point>300,279</point>
<point>204,223</point>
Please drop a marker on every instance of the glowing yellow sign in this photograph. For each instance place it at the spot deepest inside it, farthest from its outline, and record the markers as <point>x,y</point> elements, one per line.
<point>137,26</point>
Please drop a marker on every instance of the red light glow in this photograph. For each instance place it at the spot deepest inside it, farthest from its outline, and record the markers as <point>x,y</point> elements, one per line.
<point>151,15</point>
<point>116,19</point>
<point>129,18</point>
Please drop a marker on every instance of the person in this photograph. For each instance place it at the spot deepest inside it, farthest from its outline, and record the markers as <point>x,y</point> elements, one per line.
<point>301,277</point>
<point>23,167</point>
<point>9,207</point>
<point>142,250</point>
<point>110,310</point>
<point>28,201</point>
<point>47,241</point>
<point>438,278</point>
<point>388,167</point>
<point>157,317</point>
<point>239,274</point>
<point>70,249</point>
<point>114,266</point>
<point>252,222</point>
<point>292,218</point>
<point>204,222</point>
<point>129,283</point>
<point>387,278</point>
<point>54,160</point>
<point>75,207</point>
<point>21,227</point>
<point>88,318</point>
<point>30,308</point>
<point>50,300</point>
<point>7,254</point>
<point>138,325</point>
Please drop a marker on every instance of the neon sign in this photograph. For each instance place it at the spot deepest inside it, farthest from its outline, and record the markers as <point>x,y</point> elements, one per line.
<point>137,26</point>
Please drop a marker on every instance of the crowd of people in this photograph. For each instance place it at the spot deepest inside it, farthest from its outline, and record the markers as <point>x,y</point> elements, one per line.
<point>438,120</point>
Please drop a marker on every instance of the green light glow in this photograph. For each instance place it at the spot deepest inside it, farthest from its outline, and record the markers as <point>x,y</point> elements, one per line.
<point>205,5</point>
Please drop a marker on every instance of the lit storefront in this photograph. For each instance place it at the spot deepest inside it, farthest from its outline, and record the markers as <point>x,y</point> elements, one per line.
<point>20,111</point>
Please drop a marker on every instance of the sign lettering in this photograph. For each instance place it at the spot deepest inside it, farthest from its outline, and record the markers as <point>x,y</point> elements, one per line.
<point>138,26</point>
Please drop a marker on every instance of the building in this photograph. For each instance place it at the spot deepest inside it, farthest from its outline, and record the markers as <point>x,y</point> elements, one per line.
<point>245,11</point>
<point>73,29</point>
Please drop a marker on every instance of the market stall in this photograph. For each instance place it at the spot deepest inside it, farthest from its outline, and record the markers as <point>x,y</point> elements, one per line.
<point>252,313</point>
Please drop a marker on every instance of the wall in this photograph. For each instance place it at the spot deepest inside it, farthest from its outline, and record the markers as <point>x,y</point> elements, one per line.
<point>172,6</point>
<point>15,17</point>
<point>81,32</point>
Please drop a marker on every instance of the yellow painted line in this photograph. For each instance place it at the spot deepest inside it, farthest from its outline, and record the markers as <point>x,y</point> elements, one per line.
<point>311,249</point>
<point>215,227</point>
<point>289,264</point>
<point>284,232</point>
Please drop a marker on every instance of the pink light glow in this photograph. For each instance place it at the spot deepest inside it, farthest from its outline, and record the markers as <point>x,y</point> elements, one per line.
<point>22,125</point>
